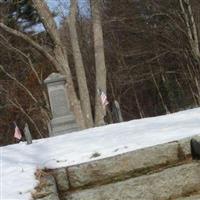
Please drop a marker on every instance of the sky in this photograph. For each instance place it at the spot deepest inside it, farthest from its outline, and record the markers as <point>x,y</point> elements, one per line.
<point>61,7</point>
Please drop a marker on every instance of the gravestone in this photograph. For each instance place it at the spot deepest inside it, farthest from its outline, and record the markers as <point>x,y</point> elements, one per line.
<point>27,134</point>
<point>116,112</point>
<point>63,121</point>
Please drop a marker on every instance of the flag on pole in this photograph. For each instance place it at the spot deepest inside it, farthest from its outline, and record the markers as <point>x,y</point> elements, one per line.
<point>17,133</point>
<point>104,100</point>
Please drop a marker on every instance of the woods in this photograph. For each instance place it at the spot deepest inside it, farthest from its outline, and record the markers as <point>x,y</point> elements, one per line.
<point>144,54</point>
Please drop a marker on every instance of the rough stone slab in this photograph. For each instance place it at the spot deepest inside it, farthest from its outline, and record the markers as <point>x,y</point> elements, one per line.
<point>193,197</point>
<point>185,144</point>
<point>167,184</point>
<point>47,189</point>
<point>121,165</point>
<point>61,179</point>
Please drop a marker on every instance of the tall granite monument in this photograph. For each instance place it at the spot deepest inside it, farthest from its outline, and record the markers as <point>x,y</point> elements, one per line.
<point>63,121</point>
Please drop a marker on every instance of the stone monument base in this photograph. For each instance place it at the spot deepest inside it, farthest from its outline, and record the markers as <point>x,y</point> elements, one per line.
<point>62,125</point>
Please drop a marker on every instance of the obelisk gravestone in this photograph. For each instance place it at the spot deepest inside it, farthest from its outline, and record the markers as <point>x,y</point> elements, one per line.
<point>63,121</point>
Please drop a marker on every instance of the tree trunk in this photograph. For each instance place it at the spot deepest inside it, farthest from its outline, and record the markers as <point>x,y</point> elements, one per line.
<point>79,67</point>
<point>99,61</point>
<point>192,32</point>
<point>60,56</point>
<point>191,28</point>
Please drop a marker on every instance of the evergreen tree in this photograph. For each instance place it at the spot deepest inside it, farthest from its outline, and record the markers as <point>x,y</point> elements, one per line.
<point>20,14</point>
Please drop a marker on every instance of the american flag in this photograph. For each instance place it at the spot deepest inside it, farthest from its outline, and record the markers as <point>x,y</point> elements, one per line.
<point>17,133</point>
<point>104,100</point>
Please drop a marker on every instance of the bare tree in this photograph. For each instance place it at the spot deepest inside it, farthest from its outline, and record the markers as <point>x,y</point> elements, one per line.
<point>192,36</point>
<point>191,27</point>
<point>99,60</point>
<point>59,58</point>
<point>79,66</point>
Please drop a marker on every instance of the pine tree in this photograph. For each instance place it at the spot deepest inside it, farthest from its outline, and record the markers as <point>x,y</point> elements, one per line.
<point>20,14</point>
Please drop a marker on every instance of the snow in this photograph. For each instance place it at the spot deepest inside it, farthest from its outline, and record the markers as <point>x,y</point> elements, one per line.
<point>19,162</point>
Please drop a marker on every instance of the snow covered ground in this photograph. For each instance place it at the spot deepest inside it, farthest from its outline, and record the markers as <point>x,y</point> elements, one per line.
<point>19,162</point>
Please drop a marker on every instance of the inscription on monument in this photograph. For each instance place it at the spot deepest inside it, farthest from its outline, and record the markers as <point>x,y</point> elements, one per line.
<point>59,106</point>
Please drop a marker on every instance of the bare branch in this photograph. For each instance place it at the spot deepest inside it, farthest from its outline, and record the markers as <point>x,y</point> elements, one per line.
<point>29,41</point>
<point>18,106</point>
<point>19,84</point>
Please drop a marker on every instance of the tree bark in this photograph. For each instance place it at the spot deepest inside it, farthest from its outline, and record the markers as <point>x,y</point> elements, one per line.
<point>191,28</point>
<point>99,61</point>
<point>79,67</point>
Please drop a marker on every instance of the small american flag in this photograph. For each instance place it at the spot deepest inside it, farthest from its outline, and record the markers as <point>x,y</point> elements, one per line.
<point>17,133</point>
<point>104,100</point>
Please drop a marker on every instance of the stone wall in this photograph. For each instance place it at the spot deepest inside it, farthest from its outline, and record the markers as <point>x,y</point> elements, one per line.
<point>160,172</point>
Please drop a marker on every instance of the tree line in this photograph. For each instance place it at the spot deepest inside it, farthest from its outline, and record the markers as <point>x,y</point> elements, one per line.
<point>144,54</point>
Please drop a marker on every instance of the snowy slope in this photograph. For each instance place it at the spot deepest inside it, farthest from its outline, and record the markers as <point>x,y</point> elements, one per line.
<point>20,161</point>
